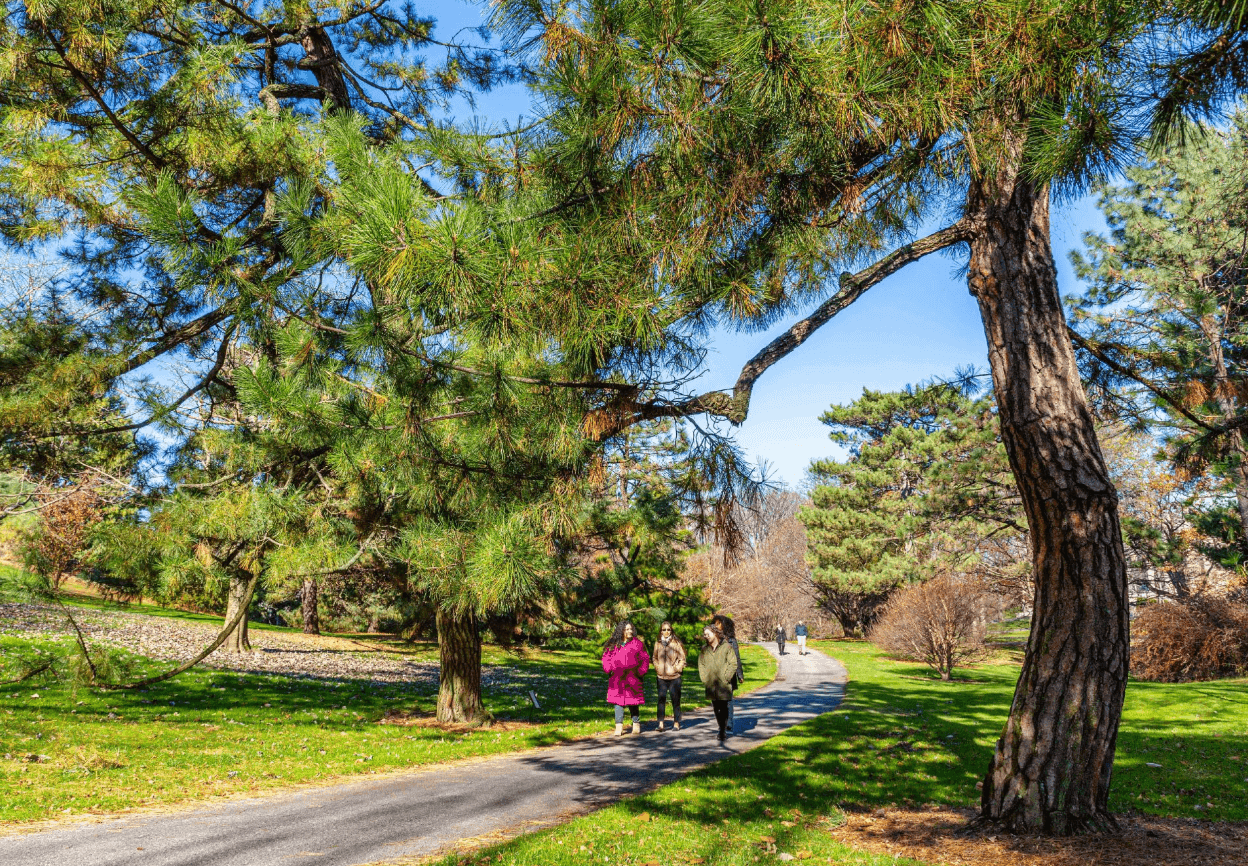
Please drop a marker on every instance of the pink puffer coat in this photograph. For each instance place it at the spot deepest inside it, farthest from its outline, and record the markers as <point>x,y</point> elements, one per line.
<point>626,665</point>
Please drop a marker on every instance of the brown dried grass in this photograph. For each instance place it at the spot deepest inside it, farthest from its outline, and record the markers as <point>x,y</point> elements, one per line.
<point>419,719</point>
<point>1199,638</point>
<point>936,837</point>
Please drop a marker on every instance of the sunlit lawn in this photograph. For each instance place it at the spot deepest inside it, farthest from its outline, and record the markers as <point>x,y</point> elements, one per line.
<point>902,738</point>
<point>211,732</point>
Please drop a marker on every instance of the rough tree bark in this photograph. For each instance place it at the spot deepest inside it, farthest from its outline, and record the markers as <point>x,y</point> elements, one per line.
<point>459,676</point>
<point>309,596</point>
<point>239,594</point>
<point>1223,391</point>
<point>1051,770</point>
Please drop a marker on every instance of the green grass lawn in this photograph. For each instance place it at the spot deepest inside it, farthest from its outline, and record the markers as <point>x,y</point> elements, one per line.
<point>902,738</point>
<point>213,732</point>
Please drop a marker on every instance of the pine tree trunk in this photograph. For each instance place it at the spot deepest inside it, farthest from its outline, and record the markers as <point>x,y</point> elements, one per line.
<point>1051,770</point>
<point>1212,329</point>
<point>310,597</point>
<point>459,677</point>
<point>236,641</point>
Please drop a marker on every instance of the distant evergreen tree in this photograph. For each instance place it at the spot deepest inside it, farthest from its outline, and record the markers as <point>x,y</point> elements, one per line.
<point>925,482</point>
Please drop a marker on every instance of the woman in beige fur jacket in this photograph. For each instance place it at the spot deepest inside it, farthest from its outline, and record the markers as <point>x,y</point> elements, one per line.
<point>668,659</point>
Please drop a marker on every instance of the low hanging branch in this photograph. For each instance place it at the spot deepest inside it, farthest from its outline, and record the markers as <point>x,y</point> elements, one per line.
<point>33,672</point>
<point>623,411</point>
<point>182,668</point>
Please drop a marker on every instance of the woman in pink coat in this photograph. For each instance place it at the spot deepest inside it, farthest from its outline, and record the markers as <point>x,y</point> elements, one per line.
<point>626,660</point>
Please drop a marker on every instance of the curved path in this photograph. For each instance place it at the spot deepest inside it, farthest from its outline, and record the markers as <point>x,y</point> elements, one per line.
<point>427,810</point>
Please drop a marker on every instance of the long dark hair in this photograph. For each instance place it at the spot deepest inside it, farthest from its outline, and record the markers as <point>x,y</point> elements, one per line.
<point>726,626</point>
<point>675,637</point>
<point>718,632</point>
<point>617,637</point>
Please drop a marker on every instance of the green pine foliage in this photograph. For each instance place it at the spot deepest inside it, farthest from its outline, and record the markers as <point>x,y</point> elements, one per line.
<point>924,490</point>
<point>1162,320</point>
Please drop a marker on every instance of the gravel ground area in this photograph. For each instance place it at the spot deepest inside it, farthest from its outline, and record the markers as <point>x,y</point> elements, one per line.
<point>273,652</point>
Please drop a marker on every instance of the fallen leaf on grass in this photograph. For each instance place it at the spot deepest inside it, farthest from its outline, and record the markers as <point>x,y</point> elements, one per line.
<point>644,816</point>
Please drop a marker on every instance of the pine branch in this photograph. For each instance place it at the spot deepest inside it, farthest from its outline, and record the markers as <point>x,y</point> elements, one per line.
<point>178,336</point>
<point>185,666</point>
<point>622,413</point>
<point>222,352</point>
<point>99,100</point>
<point>1127,373</point>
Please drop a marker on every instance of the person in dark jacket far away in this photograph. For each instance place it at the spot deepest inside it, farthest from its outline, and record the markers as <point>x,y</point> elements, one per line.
<point>800,634</point>
<point>780,638</point>
<point>669,663</point>
<point>717,668</point>
<point>729,628</point>
<point>624,657</point>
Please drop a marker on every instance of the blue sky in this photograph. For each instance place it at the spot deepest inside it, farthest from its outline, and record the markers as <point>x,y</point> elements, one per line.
<point>917,324</point>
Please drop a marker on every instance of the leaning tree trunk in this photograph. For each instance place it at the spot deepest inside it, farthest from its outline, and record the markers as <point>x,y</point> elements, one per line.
<point>236,641</point>
<point>1222,390</point>
<point>1052,766</point>
<point>309,598</point>
<point>459,677</point>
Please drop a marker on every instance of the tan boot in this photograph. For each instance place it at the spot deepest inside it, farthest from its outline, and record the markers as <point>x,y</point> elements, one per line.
<point>636,727</point>
<point>619,730</point>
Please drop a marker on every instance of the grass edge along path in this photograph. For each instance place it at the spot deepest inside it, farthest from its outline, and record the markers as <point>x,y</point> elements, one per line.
<point>212,733</point>
<point>900,738</point>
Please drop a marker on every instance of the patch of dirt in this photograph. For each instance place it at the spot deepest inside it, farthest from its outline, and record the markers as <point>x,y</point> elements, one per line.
<point>416,719</point>
<point>934,837</point>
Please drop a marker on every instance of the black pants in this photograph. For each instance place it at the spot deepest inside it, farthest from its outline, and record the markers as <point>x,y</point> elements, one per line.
<point>780,644</point>
<point>669,687</point>
<point>721,713</point>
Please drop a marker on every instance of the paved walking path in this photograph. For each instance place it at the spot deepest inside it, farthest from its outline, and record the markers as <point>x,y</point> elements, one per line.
<point>427,810</point>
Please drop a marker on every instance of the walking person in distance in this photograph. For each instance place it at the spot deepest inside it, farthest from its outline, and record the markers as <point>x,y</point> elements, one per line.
<point>729,628</point>
<point>717,666</point>
<point>800,634</point>
<point>780,638</point>
<point>669,663</point>
<point>625,658</point>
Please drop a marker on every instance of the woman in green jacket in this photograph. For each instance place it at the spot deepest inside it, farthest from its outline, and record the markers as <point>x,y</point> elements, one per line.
<point>717,665</point>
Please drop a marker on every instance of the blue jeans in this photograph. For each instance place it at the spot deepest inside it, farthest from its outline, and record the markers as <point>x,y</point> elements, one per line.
<point>634,711</point>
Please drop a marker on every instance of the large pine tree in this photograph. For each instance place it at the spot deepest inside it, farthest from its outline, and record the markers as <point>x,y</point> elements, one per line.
<point>742,155</point>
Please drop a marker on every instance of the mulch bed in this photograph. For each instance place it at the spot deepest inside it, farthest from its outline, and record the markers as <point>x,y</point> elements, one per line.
<point>419,719</point>
<point>935,836</point>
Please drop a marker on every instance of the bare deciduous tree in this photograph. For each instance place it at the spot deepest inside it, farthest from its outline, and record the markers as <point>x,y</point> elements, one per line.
<point>767,582</point>
<point>941,622</point>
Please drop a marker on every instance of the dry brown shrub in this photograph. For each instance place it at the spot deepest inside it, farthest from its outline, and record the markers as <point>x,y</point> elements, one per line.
<point>54,546</point>
<point>1198,638</point>
<point>941,622</point>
